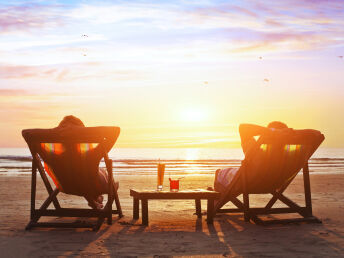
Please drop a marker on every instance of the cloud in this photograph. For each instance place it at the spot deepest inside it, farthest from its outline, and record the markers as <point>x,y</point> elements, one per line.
<point>306,23</point>
<point>127,31</point>
<point>69,72</point>
<point>284,41</point>
<point>12,92</point>
<point>28,17</point>
<point>24,72</point>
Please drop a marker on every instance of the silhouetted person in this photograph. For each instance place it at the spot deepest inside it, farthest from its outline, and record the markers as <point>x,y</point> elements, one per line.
<point>95,202</point>
<point>247,134</point>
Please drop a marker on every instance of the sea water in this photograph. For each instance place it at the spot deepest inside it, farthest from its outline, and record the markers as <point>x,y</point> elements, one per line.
<point>179,161</point>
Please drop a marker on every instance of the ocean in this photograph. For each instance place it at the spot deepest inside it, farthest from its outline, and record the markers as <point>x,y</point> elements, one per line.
<point>179,161</point>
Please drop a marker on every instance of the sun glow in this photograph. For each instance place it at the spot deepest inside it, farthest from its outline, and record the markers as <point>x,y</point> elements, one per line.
<point>228,66</point>
<point>193,115</point>
<point>192,154</point>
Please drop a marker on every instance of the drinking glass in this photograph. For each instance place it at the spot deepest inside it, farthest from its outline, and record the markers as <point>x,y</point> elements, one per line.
<point>174,185</point>
<point>161,172</point>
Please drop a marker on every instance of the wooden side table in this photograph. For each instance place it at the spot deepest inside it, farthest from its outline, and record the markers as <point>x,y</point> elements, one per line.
<point>196,195</point>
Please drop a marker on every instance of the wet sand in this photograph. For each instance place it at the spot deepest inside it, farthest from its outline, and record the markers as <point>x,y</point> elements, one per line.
<point>174,230</point>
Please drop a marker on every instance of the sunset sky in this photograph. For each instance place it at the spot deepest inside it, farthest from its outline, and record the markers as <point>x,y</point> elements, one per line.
<point>172,73</point>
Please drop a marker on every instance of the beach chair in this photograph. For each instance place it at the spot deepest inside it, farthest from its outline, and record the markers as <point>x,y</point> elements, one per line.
<point>71,156</point>
<point>269,168</point>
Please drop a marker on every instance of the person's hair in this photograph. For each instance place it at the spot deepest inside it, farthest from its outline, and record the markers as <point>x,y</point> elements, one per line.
<point>277,125</point>
<point>71,120</point>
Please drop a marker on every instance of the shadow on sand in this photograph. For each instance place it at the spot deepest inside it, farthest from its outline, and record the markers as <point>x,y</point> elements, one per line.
<point>229,236</point>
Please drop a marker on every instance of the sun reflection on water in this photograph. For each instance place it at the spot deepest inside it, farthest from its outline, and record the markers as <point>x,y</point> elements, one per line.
<point>191,155</point>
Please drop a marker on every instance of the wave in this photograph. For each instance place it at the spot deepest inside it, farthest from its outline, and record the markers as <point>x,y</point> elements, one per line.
<point>16,158</point>
<point>154,161</point>
<point>15,164</point>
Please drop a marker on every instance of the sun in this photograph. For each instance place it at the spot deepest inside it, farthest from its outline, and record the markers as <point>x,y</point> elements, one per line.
<point>193,115</point>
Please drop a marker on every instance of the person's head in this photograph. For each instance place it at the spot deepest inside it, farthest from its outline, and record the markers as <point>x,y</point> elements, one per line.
<point>71,121</point>
<point>277,125</point>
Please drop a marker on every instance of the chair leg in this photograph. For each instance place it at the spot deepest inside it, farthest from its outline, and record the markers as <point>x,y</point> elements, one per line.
<point>99,223</point>
<point>34,217</point>
<point>109,209</point>
<point>109,214</point>
<point>28,226</point>
<point>109,220</point>
<point>46,181</point>
<point>246,207</point>
<point>113,189</point>
<point>257,220</point>
<point>307,189</point>
<point>33,190</point>
<point>246,200</point>
<point>118,205</point>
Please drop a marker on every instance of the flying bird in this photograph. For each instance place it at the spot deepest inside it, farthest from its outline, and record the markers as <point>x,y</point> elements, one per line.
<point>84,36</point>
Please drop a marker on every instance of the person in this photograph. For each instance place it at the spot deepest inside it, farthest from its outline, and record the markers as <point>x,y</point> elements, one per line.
<point>96,202</point>
<point>247,132</point>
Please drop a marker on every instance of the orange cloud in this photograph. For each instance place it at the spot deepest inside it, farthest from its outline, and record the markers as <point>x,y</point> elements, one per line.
<point>12,92</point>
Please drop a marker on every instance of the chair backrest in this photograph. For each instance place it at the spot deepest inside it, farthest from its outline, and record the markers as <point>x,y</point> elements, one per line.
<point>276,160</point>
<point>71,155</point>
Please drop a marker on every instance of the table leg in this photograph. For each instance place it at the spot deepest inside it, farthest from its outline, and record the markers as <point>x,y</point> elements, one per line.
<point>198,208</point>
<point>210,211</point>
<point>144,203</point>
<point>136,208</point>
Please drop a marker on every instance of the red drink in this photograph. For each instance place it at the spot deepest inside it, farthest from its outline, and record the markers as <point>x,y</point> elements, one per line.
<point>174,185</point>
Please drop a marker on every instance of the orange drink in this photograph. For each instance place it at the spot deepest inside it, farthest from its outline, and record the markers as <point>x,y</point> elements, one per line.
<point>161,172</point>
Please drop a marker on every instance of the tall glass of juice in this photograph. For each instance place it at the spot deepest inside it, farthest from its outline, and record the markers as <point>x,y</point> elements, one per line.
<point>161,172</point>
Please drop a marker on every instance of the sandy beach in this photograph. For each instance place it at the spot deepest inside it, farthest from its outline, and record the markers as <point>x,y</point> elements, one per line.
<point>174,230</point>
<point>198,86</point>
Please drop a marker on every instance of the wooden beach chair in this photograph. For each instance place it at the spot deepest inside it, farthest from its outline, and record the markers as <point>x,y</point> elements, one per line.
<point>269,168</point>
<point>71,156</point>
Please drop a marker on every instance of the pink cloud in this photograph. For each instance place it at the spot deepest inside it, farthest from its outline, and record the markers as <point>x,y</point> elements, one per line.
<point>273,23</point>
<point>28,17</point>
<point>68,73</point>
<point>284,36</point>
<point>291,41</point>
<point>225,9</point>
<point>278,25</point>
